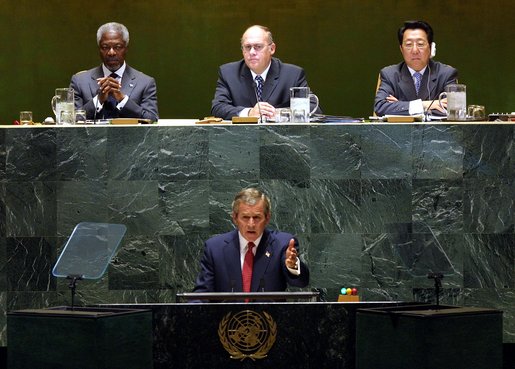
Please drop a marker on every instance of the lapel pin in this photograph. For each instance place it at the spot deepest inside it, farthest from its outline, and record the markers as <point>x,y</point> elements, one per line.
<point>131,85</point>
<point>267,254</point>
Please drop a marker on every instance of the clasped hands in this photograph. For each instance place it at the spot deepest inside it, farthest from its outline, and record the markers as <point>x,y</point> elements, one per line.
<point>291,255</point>
<point>267,110</point>
<point>109,86</point>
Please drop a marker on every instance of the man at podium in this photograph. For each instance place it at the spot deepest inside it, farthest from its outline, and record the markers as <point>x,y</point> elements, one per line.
<point>251,258</point>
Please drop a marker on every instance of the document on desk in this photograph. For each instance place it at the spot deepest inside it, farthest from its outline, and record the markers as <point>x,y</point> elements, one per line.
<point>436,118</point>
<point>408,118</point>
<point>323,118</point>
<point>404,118</point>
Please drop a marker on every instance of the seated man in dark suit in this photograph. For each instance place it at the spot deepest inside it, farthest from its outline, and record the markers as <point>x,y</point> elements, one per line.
<point>270,255</point>
<point>237,87</point>
<point>411,87</point>
<point>114,89</point>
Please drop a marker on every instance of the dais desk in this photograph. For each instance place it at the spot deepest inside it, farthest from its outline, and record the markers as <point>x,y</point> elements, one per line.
<point>353,193</point>
<point>254,335</point>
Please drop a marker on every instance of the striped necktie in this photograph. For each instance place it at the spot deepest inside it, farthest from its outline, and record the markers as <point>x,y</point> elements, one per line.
<point>259,88</point>
<point>418,81</point>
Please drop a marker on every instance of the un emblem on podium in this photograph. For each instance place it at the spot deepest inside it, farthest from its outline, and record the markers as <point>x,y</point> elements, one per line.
<point>247,334</point>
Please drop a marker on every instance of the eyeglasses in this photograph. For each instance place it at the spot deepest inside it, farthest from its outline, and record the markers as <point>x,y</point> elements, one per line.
<point>419,44</point>
<point>257,47</point>
<point>117,48</point>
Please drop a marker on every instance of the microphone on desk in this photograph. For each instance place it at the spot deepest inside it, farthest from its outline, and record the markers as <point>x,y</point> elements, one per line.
<point>426,113</point>
<point>261,287</point>
<point>259,107</point>
<point>96,108</point>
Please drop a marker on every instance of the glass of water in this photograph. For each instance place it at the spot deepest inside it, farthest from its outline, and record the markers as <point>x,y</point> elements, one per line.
<point>25,117</point>
<point>299,116</point>
<point>282,115</point>
<point>67,117</point>
<point>80,116</point>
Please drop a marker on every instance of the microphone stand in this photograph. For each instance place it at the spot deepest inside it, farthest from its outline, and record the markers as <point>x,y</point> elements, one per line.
<point>438,284</point>
<point>73,286</point>
<point>426,113</point>
<point>95,113</point>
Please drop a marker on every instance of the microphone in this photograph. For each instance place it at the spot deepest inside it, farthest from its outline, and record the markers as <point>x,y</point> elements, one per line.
<point>261,285</point>
<point>96,102</point>
<point>96,108</point>
<point>426,113</point>
<point>259,107</point>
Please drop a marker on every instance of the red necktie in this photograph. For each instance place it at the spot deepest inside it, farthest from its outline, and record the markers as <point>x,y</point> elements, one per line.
<point>248,263</point>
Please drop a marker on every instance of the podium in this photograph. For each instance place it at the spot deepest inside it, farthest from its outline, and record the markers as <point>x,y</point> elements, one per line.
<point>429,337</point>
<point>82,338</point>
<point>261,334</point>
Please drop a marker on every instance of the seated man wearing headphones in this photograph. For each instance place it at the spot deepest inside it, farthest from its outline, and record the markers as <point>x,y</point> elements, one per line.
<point>412,87</point>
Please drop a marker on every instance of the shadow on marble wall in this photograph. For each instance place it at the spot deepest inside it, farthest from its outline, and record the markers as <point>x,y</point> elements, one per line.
<point>375,207</point>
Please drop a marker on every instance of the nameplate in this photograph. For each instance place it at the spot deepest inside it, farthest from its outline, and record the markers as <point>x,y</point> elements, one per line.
<point>245,120</point>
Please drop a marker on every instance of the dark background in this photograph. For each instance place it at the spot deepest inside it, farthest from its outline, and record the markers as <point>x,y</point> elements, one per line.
<point>341,44</point>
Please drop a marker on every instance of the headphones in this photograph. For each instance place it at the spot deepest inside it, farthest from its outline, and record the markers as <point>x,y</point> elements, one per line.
<point>433,49</point>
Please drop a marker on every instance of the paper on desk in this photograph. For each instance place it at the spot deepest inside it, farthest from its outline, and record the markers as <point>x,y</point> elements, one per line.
<point>404,118</point>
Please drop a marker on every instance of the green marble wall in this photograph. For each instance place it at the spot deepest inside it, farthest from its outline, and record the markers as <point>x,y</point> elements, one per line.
<point>342,44</point>
<point>374,206</point>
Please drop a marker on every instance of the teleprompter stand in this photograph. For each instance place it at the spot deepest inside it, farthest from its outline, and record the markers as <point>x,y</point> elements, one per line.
<point>87,253</point>
<point>438,284</point>
<point>82,337</point>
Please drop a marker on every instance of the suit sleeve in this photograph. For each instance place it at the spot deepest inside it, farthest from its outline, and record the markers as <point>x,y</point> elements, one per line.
<point>449,76</point>
<point>146,107</point>
<point>80,101</point>
<point>206,278</point>
<point>222,105</point>
<point>387,88</point>
<point>390,86</point>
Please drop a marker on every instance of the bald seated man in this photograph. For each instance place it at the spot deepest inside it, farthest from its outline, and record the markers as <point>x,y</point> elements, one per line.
<point>237,86</point>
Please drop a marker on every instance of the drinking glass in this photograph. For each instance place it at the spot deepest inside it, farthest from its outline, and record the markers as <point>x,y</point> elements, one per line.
<point>282,115</point>
<point>66,117</point>
<point>285,115</point>
<point>299,116</point>
<point>25,117</point>
<point>476,112</point>
<point>80,116</point>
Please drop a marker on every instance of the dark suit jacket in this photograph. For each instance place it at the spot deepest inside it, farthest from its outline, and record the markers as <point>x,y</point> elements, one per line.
<point>235,88</point>
<point>221,265</point>
<point>396,80</point>
<point>140,88</point>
